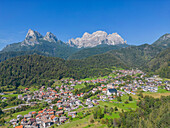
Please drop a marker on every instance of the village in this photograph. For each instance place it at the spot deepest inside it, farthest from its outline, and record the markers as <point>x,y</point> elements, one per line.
<point>64,100</point>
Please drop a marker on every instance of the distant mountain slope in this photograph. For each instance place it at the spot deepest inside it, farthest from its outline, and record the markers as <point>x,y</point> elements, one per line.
<point>87,52</point>
<point>160,64</point>
<point>136,56</point>
<point>95,39</point>
<point>7,55</point>
<point>163,41</point>
<point>36,70</point>
<point>48,45</point>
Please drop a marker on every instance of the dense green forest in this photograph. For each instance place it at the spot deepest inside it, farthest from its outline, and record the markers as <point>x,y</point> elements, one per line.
<point>86,52</point>
<point>152,113</point>
<point>136,56</point>
<point>7,55</point>
<point>36,70</point>
<point>160,64</point>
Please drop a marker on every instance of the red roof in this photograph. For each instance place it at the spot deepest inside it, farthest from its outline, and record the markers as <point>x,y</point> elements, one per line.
<point>60,108</point>
<point>19,126</point>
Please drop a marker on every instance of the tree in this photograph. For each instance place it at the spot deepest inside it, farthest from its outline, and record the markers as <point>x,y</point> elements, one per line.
<point>130,98</point>
<point>91,120</point>
<point>116,109</point>
<point>119,98</point>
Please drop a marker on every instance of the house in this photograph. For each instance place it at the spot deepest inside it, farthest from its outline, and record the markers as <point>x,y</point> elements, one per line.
<point>28,116</point>
<point>104,90</point>
<point>72,114</point>
<point>90,105</point>
<point>100,88</point>
<point>46,122</point>
<point>59,113</point>
<point>13,121</point>
<point>110,85</point>
<point>19,96</point>
<point>94,90</point>
<point>54,118</point>
<point>19,116</point>
<point>111,91</point>
<point>62,119</point>
<point>31,121</point>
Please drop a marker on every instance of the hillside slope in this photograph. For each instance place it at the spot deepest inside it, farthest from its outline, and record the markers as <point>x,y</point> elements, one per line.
<point>160,64</point>
<point>163,41</point>
<point>136,56</point>
<point>87,52</point>
<point>36,70</point>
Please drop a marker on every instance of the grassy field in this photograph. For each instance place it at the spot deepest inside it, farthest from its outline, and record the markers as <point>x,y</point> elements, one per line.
<point>83,123</point>
<point>8,118</point>
<point>11,95</point>
<point>156,95</point>
<point>79,86</point>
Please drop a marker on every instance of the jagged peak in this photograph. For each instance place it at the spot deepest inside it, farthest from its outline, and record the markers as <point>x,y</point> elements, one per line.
<point>96,38</point>
<point>50,37</point>
<point>34,34</point>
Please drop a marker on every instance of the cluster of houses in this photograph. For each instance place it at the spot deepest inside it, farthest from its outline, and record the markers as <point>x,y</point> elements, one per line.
<point>67,102</point>
<point>42,119</point>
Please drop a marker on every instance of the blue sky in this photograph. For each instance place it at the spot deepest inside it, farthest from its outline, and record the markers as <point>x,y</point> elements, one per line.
<point>137,21</point>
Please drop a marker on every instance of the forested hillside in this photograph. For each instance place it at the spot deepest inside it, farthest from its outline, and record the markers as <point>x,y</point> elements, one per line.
<point>152,113</point>
<point>136,56</point>
<point>7,55</point>
<point>35,70</point>
<point>160,64</point>
<point>86,52</point>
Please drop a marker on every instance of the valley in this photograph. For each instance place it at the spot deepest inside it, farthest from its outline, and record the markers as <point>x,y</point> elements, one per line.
<point>45,82</point>
<point>70,101</point>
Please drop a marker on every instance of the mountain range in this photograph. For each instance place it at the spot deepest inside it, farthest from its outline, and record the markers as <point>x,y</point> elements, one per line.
<point>95,39</point>
<point>89,44</point>
<point>49,45</point>
<point>92,52</point>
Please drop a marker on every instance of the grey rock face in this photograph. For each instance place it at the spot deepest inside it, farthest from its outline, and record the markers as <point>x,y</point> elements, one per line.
<point>32,38</point>
<point>96,38</point>
<point>50,37</point>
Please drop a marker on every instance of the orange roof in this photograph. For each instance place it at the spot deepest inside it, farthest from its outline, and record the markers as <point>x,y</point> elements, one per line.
<point>104,89</point>
<point>60,108</point>
<point>59,101</point>
<point>50,113</point>
<point>52,117</point>
<point>40,112</point>
<point>19,126</point>
<point>38,115</point>
<point>33,112</point>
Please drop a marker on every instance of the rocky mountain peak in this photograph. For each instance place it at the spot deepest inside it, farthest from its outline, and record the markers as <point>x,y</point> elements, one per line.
<point>96,38</point>
<point>163,41</point>
<point>33,34</point>
<point>50,37</point>
<point>32,38</point>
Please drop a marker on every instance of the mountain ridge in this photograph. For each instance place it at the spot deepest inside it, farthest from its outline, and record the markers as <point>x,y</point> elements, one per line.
<point>96,38</point>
